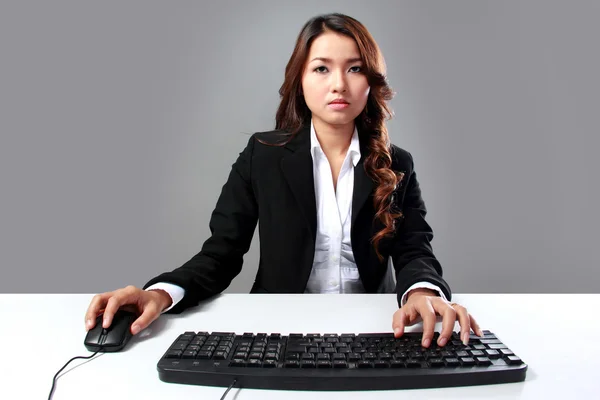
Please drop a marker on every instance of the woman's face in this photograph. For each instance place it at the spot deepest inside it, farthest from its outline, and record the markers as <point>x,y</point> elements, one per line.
<point>333,70</point>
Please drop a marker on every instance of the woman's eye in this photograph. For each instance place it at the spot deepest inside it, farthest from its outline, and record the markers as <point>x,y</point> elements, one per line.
<point>324,69</point>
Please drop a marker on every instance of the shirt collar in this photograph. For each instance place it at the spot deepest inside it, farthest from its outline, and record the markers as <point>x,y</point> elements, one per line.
<point>353,150</point>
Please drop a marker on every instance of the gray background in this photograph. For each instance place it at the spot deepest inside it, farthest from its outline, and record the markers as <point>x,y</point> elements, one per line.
<point>120,120</point>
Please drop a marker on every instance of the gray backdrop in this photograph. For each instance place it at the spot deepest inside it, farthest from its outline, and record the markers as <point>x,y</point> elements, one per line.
<point>120,120</point>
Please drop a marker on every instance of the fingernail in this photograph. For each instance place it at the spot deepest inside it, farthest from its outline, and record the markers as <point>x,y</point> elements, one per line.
<point>480,332</point>
<point>105,323</point>
<point>397,331</point>
<point>88,323</point>
<point>134,329</point>
<point>426,342</point>
<point>443,341</point>
<point>465,339</point>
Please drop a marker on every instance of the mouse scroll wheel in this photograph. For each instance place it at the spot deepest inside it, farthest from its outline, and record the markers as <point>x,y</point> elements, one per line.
<point>104,331</point>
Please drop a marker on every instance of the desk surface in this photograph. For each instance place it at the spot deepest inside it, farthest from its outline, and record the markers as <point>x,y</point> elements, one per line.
<point>41,332</point>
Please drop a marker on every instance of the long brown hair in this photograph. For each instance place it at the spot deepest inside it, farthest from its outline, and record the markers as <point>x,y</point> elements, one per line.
<point>293,113</point>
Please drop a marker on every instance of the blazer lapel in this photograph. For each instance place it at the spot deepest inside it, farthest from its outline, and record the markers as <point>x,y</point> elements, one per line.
<point>297,168</point>
<point>363,186</point>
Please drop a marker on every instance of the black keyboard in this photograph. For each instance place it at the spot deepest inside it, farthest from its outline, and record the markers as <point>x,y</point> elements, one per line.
<point>367,361</point>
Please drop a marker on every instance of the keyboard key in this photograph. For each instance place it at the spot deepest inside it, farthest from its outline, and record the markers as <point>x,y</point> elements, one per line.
<point>323,364</point>
<point>189,354</point>
<point>381,364</point>
<point>269,364</point>
<point>490,341</point>
<point>467,361</point>
<point>292,364</point>
<point>307,364</point>
<point>253,363</point>
<point>506,352</point>
<point>483,361</point>
<point>365,364</point>
<point>452,362</point>
<point>340,364</point>
<point>296,349</point>
<point>174,354</point>
<point>513,360</point>
<point>435,362</point>
<point>204,355</point>
<point>492,354</point>
<point>237,363</point>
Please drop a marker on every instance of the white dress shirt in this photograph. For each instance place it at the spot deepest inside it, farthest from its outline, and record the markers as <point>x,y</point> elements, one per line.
<point>334,269</point>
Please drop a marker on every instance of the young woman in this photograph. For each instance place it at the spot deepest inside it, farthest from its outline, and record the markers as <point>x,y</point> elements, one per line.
<point>334,200</point>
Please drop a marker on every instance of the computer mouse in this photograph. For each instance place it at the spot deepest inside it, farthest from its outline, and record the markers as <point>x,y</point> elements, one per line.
<point>115,337</point>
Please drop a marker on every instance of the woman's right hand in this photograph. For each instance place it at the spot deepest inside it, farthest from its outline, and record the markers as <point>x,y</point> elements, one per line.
<point>147,304</point>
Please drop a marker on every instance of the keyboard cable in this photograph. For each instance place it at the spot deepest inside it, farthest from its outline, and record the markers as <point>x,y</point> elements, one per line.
<point>64,366</point>
<point>228,389</point>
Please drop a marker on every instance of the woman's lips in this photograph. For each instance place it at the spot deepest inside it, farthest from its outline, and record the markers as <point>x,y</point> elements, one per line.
<point>338,106</point>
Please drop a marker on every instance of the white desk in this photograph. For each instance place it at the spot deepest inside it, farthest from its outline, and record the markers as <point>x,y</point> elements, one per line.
<point>41,332</point>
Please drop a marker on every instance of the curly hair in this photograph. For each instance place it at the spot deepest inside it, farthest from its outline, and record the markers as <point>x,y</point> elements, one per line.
<point>293,113</point>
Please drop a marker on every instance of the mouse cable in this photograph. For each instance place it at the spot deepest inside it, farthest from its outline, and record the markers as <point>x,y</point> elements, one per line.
<point>228,389</point>
<point>64,366</point>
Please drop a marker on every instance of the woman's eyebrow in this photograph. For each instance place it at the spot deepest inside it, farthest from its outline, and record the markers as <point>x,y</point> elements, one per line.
<point>324,59</point>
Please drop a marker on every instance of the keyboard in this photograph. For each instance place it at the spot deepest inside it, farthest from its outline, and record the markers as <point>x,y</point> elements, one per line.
<point>342,362</point>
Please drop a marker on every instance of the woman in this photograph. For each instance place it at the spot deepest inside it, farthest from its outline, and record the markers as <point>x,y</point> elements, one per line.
<point>335,201</point>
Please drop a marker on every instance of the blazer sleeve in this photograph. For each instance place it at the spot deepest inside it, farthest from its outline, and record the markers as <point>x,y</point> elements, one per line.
<point>412,254</point>
<point>232,225</point>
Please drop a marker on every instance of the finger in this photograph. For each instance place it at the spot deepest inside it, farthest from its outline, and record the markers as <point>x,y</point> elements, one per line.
<point>465,323</point>
<point>126,298</point>
<point>112,306</point>
<point>448,319</point>
<point>399,321</point>
<point>425,309</point>
<point>475,326</point>
<point>151,312</point>
<point>98,302</point>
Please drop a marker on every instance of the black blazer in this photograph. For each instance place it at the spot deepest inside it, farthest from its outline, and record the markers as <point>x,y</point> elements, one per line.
<point>274,186</point>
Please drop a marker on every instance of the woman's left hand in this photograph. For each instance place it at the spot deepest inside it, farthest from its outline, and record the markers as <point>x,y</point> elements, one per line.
<point>427,304</point>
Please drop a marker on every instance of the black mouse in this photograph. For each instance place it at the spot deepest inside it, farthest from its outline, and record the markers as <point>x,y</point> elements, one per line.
<point>113,338</point>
